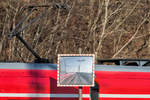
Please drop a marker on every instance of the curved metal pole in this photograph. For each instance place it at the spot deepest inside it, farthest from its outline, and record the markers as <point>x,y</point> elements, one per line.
<point>17,32</point>
<point>20,22</point>
<point>28,47</point>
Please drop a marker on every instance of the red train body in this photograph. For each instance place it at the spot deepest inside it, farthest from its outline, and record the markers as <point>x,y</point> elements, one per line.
<point>29,81</point>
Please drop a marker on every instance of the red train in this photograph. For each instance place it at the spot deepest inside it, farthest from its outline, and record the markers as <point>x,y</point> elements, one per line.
<point>126,79</point>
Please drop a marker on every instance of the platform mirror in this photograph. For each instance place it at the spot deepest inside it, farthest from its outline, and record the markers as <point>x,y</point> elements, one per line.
<point>75,70</point>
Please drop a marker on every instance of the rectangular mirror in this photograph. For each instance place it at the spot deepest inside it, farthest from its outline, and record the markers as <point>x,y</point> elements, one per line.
<point>75,70</point>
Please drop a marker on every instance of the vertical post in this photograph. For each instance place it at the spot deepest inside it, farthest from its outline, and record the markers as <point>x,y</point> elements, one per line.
<point>80,93</point>
<point>80,88</point>
<point>80,50</point>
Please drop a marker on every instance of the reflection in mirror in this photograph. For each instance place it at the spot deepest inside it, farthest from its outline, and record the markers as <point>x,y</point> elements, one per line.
<point>76,70</point>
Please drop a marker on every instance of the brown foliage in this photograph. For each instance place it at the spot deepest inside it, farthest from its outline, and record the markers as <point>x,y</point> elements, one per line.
<point>108,28</point>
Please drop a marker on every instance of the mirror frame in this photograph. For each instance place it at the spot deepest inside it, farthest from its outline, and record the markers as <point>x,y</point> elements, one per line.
<point>75,55</point>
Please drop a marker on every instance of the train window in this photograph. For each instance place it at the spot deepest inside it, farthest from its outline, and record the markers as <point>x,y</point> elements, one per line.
<point>130,64</point>
<point>94,92</point>
<point>147,64</point>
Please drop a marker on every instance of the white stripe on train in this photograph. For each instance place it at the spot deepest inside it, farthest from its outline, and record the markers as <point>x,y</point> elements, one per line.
<point>73,95</point>
<point>39,95</point>
<point>125,95</point>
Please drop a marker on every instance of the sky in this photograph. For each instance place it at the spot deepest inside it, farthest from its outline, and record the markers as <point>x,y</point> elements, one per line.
<point>72,63</point>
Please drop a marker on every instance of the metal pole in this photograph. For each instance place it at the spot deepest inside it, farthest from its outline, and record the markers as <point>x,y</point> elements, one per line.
<point>80,88</point>
<point>28,47</point>
<point>80,93</point>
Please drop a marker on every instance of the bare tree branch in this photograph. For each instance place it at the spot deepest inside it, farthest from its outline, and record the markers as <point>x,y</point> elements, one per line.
<point>116,28</point>
<point>104,25</point>
<point>130,38</point>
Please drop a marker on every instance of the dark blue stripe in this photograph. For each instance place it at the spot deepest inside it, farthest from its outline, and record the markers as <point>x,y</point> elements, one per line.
<point>122,68</point>
<point>48,66</point>
<point>28,66</point>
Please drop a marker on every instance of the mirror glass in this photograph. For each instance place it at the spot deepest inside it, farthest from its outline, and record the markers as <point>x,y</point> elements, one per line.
<point>76,70</point>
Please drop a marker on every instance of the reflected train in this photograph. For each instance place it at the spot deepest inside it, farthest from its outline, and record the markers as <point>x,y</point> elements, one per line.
<point>120,79</point>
